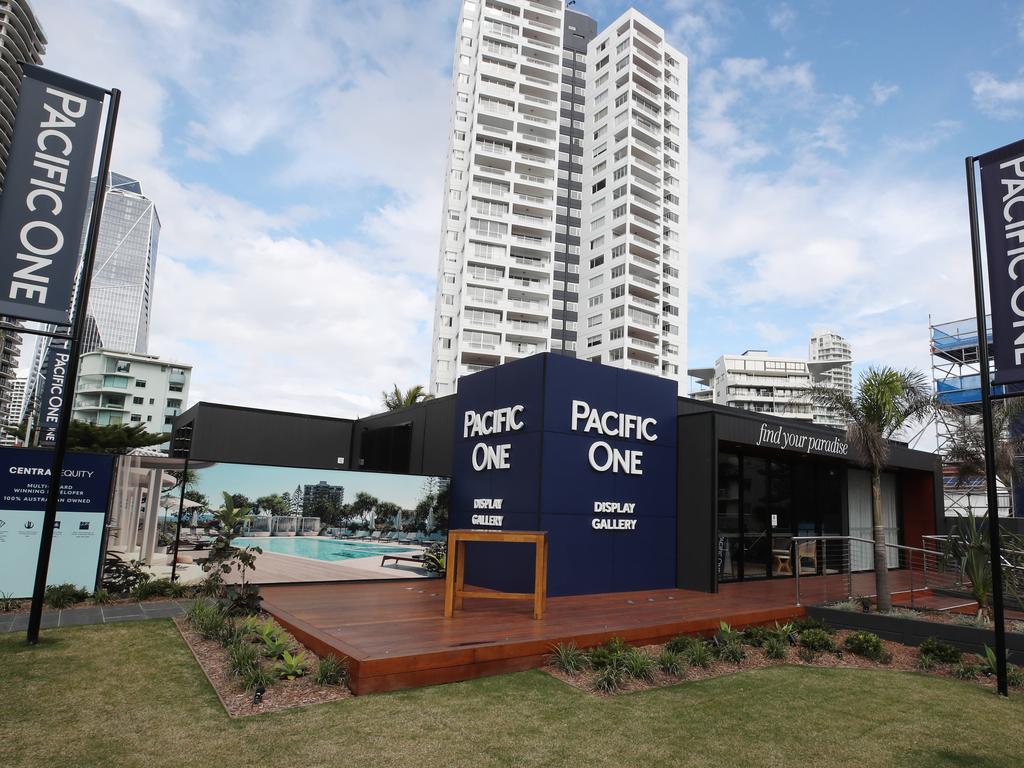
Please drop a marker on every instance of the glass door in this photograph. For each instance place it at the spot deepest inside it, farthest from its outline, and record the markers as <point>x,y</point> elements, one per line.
<point>729,541</point>
<point>779,502</point>
<point>755,520</point>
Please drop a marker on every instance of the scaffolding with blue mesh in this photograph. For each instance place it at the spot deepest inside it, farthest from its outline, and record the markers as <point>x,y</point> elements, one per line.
<point>956,376</point>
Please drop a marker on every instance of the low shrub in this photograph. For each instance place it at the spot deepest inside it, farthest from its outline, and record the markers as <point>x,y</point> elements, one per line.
<point>276,647</point>
<point>59,596</point>
<point>867,644</point>
<point>671,663</point>
<point>330,670</point>
<point>851,605</point>
<point>903,613</point>
<point>178,590</point>
<point>567,658</point>
<point>212,585</point>
<point>8,602</point>
<point>699,655</point>
<point>966,670</point>
<point>101,597</point>
<point>238,600</point>
<point>805,654</point>
<point>816,639</point>
<point>257,677</point>
<point>732,651</point>
<point>941,651</point>
<point>681,643</point>
<point>147,590</point>
<point>970,620</point>
<point>206,618</point>
<point>727,634</point>
<point>1014,676</point>
<point>121,577</point>
<point>609,678</point>
<point>989,664</point>
<point>230,632</point>
<point>291,666</point>
<point>608,654</point>
<point>926,663</point>
<point>639,664</point>
<point>755,636</point>
<point>774,648</point>
<point>435,559</point>
<point>811,622</point>
<point>242,658</point>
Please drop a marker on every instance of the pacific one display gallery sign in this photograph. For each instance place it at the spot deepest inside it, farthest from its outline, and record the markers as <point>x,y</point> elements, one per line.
<point>583,451</point>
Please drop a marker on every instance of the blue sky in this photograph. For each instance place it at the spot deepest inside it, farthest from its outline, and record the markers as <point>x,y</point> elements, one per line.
<point>295,157</point>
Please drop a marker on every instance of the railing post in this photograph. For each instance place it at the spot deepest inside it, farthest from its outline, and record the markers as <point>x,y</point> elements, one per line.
<point>796,569</point>
<point>910,557</point>
<point>924,565</point>
<point>849,567</point>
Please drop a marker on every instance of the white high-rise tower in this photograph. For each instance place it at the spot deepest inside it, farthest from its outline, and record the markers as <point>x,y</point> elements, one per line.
<point>555,128</point>
<point>824,347</point>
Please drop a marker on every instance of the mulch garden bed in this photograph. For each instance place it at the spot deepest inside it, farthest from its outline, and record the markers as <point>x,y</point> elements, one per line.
<point>238,701</point>
<point>904,659</point>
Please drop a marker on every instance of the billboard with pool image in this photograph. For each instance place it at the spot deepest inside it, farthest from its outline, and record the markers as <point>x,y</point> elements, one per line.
<point>317,525</point>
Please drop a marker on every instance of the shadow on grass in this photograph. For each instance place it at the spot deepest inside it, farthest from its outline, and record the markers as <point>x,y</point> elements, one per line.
<point>949,757</point>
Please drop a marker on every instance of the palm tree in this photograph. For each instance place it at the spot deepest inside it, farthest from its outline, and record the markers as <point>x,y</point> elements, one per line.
<point>966,447</point>
<point>886,401</point>
<point>396,399</point>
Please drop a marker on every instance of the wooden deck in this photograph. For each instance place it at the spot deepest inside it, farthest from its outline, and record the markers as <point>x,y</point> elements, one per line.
<point>396,636</point>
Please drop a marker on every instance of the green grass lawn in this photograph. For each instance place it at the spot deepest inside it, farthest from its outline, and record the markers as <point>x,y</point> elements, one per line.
<point>132,695</point>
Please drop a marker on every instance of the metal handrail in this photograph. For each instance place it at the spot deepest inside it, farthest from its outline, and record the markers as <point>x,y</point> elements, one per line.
<point>797,540</point>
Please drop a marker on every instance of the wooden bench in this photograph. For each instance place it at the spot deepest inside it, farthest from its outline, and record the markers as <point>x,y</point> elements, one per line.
<point>454,589</point>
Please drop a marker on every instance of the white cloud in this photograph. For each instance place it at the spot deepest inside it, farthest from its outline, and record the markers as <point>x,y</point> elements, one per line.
<point>927,137</point>
<point>866,249</point>
<point>698,27</point>
<point>882,92</point>
<point>997,98</point>
<point>269,317</point>
<point>781,18</point>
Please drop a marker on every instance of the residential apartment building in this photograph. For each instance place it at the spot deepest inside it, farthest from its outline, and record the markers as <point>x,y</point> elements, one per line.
<point>315,496</point>
<point>827,346</point>
<point>632,299</point>
<point>757,381</point>
<point>523,173</point>
<point>15,412</point>
<point>21,40</point>
<point>126,388</point>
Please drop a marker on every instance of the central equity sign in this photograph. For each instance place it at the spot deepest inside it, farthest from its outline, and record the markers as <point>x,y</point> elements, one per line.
<point>778,437</point>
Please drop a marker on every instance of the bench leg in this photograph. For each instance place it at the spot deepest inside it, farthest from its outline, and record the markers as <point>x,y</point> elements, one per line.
<point>540,580</point>
<point>460,575</point>
<point>449,582</point>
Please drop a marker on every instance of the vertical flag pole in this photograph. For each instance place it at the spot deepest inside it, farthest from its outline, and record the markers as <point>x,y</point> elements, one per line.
<point>78,325</point>
<point>995,553</point>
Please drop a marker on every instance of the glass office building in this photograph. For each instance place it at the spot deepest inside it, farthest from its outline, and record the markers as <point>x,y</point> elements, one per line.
<point>121,295</point>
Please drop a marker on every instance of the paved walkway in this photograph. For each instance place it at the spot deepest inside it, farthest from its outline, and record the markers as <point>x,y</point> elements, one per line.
<point>96,614</point>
